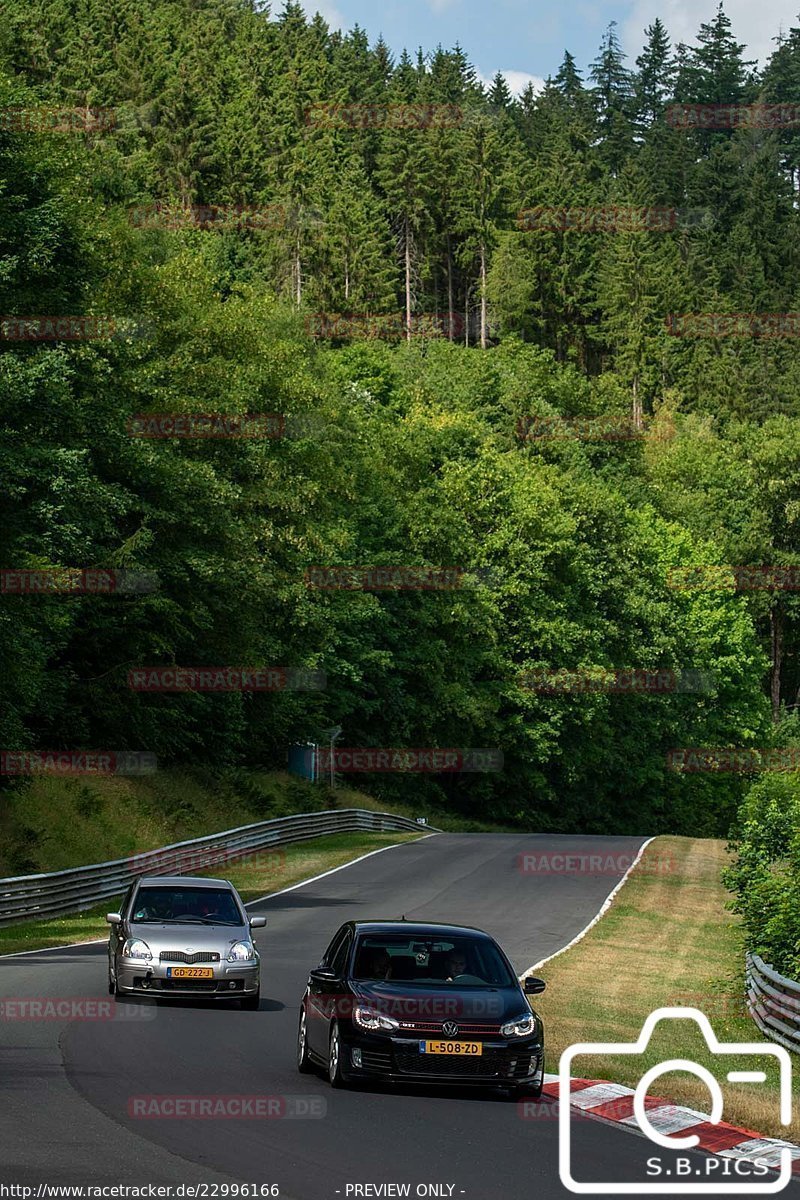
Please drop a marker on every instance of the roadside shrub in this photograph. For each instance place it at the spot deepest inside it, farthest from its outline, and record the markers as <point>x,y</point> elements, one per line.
<point>765,877</point>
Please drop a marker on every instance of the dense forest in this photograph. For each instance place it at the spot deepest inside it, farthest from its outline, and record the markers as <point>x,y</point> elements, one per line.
<point>222,234</point>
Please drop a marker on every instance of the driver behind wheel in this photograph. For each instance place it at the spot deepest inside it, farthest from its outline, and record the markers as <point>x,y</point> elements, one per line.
<point>455,964</point>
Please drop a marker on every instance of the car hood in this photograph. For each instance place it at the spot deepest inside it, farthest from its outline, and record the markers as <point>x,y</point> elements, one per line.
<point>188,938</point>
<point>446,1003</point>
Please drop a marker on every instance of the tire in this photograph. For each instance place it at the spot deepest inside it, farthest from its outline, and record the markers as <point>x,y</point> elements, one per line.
<point>336,1075</point>
<point>528,1091</point>
<point>533,1092</point>
<point>303,1059</point>
<point>250,1003</point>
<point>114,989</point>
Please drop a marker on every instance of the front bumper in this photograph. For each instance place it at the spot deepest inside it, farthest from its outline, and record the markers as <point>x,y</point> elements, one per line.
<point>501,1063</point>
<point>228,980</point>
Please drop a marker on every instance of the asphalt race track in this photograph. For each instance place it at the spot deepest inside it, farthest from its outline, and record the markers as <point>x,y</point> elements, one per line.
<point>65,1085</point>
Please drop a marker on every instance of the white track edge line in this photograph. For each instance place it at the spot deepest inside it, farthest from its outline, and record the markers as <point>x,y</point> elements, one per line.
<point>606,905</point>
<point>53,949</point>
<point>260,900</point>
<point>333,870</point>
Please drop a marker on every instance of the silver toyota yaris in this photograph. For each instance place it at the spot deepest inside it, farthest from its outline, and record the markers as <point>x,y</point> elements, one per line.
<point>180,936</point>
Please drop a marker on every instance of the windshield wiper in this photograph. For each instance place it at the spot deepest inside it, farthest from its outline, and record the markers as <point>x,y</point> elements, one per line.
<point>176,920</point>
<point>183,921</point>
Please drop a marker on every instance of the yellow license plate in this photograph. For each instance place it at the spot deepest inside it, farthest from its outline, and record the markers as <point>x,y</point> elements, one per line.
<point>454,1049</point>
<point>190,973</point>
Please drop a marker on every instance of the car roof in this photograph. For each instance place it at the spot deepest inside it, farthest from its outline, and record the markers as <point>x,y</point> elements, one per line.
<point>184,881</point>
<point>418,929</point>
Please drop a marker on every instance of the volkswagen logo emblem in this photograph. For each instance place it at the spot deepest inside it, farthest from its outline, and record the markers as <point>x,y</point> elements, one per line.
<point>450,1029</point>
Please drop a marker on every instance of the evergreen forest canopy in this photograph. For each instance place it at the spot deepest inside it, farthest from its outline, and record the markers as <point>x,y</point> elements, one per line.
<point>411,451</point>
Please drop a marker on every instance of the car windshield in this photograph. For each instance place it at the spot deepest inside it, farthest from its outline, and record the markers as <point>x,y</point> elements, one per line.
<point>458,961</point>
<point>186,905</point>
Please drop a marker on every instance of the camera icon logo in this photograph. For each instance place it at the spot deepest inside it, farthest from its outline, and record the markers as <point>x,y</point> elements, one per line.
<point>689,1140</point>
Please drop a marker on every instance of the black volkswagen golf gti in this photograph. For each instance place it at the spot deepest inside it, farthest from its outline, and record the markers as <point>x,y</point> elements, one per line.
<point>401,1001</point>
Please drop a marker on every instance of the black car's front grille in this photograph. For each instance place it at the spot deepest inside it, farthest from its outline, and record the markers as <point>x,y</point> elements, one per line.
<point>498,1064</point>
<point>473,1029</point>
<point>376,1060</point>
<point>199,956</point>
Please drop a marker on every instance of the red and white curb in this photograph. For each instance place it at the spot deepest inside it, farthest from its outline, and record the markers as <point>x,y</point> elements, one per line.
<point>613,1102</point>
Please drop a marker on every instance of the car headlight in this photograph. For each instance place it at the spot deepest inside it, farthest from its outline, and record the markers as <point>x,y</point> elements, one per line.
<point>522,1026</point>
<point>242,952</point>
<point>368,1018</point>
<point>136,948</point>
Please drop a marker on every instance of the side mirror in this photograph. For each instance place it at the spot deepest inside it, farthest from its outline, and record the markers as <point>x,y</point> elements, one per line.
<point>533,986</point>
<point>258,922</point>
<point>114,918</point>
<point>321,975</point>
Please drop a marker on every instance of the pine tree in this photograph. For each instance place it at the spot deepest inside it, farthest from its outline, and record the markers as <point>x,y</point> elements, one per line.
<point>568,79</point>
<point>639,280</point>
<point>499,93</point>
<point>781,85</point>
<point>449,83</point>
<point>715,71</point>
<point>655,79</point>
<point>353,267</point>
<point>484,199</point>
<point>613,93</point>
<point>405,177</point>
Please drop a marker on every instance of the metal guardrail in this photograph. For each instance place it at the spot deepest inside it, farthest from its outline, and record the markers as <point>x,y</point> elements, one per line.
<point>774,1003</point>
<point>27,897</point>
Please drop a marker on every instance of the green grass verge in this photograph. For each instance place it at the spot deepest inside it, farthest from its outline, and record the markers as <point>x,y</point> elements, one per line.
<point>51,824</point>
<point>263,875</point>
<point>667,940</point>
